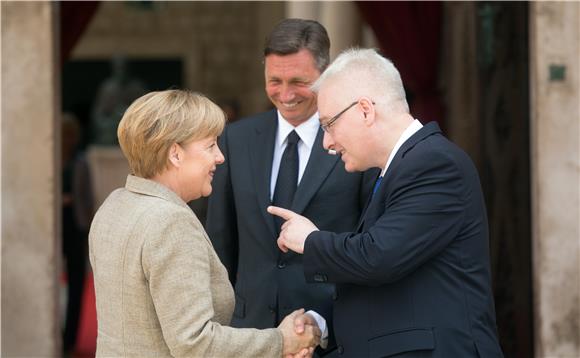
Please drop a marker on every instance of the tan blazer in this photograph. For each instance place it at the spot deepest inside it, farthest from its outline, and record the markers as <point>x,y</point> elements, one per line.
<point>161,289</point>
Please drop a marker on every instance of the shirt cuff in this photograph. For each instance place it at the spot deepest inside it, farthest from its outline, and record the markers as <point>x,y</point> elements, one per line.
<point>321,322</point>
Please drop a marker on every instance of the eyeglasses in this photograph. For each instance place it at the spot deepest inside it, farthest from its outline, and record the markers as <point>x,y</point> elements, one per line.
<point>326,126</point>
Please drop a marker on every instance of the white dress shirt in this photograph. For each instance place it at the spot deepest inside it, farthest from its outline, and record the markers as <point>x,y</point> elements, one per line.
<point>321,322</point>
<point>407,133</point>
<point>307,132</point>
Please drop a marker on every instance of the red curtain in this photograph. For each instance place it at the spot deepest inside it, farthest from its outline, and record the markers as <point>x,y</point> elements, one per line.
<point>409,34</point>
<point>75,16</point>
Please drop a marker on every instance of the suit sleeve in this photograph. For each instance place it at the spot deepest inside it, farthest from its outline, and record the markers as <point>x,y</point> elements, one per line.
<point>221,224</point>
<point>177,268</point>
<point>422,215</point>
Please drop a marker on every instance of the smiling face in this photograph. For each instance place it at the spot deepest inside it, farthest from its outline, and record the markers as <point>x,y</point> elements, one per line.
<point>288,80</point>
<point>198,165</point>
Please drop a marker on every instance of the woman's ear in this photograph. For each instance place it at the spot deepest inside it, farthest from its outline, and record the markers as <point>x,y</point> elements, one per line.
<point>175,155</point>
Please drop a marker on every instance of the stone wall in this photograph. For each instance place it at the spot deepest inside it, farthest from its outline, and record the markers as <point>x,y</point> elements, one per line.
<point>30,181</point>
<point>555,146</point>
<point>219,42</point>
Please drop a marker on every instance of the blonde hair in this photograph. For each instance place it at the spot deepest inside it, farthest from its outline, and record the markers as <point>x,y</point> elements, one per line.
<point>157,120</point>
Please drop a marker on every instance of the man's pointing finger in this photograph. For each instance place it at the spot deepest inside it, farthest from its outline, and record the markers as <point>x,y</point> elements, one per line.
<point>281,212</point>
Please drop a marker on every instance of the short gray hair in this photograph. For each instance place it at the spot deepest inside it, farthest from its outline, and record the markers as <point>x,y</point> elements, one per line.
<point>376,77</point>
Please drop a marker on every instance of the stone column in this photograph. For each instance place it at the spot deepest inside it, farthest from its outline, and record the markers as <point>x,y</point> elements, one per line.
<point>343,23</point>
<point>303,10</point>
<point>460,74</point>
<point>340,18</point>
<point>30,180</point>
<point>555,163</point>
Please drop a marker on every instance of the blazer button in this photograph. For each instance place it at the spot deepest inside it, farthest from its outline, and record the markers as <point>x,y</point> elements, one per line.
<point>320,278</point>
<point>271,309</point>
<point>340,349</point>
<point>334,296</point>
<point>281,264</point>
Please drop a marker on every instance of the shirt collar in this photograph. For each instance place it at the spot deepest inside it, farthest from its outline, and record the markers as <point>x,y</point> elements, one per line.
<point>407,133</point>
<point>307,131</point>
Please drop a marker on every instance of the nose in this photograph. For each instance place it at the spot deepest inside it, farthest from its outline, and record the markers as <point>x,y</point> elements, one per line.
<point>219,158</point>
<point>286,93</point>
<point>327,141</point>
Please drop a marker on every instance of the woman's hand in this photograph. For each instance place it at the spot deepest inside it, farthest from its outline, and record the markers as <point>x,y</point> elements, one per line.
<point>299,339</point>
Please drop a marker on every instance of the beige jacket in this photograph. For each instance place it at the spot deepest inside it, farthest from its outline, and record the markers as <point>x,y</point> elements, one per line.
<point>161,289</point>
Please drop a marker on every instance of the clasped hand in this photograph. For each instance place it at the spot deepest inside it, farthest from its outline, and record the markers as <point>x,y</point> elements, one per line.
<point>301,334</point>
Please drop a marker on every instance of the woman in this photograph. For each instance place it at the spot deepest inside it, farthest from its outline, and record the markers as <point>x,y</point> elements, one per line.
<point>161,289</point>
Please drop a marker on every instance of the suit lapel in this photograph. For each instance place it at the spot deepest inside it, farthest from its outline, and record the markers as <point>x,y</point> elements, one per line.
<point>262,153</point>
<point>364,212</point>
<point>427,130</point>
<point>319,166</point>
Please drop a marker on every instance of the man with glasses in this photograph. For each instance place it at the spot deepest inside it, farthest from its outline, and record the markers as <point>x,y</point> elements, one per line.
<point>413,279</point>
<point>277,158</point>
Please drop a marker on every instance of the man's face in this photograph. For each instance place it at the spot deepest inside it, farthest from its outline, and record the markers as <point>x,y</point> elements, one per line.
<point>288,81</point>
<point>347,134</point>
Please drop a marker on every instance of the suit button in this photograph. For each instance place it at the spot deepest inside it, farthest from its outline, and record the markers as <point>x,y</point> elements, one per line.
<point>334,296</point>
<point>340,349</point>
<point>281,264</point>
<point>320,277</point>
<point>271,309</point>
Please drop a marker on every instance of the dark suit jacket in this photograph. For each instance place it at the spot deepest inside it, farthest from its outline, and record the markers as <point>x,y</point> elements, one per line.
<point>243,232</point>
<point>414,278</point>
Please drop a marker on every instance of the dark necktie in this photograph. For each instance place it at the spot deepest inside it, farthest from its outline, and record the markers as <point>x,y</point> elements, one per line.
<point>287,177</point>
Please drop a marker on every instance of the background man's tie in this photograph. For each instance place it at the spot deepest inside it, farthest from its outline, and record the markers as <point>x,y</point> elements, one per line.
<point>287,177</point>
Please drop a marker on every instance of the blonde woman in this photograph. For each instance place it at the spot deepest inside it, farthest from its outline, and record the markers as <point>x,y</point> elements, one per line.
<point>161,289</point>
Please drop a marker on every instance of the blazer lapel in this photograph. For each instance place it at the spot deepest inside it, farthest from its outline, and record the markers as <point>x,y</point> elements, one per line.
<point>427,130</point>
<point>319,166</point>
<point>262,153</point>
<point>366,208</point>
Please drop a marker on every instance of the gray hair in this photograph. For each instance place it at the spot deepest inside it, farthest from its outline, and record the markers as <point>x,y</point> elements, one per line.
<point>368,74</point>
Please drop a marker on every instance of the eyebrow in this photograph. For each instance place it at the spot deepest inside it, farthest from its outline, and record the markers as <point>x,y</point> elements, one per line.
<point>293,79</point>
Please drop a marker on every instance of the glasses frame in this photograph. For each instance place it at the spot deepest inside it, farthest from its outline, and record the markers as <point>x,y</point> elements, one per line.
<point>326,126</point>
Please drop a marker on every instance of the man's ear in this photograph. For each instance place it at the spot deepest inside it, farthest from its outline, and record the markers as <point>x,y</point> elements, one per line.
<point>175,154</point>
<point>368,110</point>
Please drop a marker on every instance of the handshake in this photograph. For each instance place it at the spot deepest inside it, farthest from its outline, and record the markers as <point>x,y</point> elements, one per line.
<point>300,333</point>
